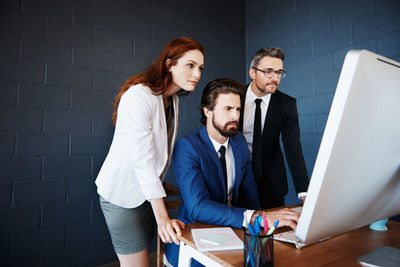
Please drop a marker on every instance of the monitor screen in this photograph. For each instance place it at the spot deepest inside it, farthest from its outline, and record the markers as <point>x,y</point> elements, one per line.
<point>356,177</point>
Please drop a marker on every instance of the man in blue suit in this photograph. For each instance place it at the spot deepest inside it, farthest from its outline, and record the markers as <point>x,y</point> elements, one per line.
<point>213,170</point>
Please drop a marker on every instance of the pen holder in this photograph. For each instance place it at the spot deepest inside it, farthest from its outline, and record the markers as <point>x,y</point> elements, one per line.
<point>258,250</point>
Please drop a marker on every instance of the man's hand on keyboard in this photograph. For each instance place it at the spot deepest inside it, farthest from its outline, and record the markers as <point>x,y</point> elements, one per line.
<point>286,217</point>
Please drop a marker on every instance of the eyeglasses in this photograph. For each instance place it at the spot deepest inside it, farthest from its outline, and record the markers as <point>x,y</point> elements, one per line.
<point>271,73</point>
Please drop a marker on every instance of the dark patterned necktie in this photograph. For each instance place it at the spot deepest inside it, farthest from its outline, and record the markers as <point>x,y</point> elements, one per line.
<point>222,151</point>
<point>256,152</point>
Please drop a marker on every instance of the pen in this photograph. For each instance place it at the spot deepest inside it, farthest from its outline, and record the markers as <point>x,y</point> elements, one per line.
<point>257,225</point>
<point>266,227</point>
<point>251,229</point>
<point>273,227</point>
<point>250,256</point>
<point>260,220</point>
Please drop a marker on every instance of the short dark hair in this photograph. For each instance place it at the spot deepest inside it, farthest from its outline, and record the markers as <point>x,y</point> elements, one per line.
<point>213,89</point>
<point>267,51</point>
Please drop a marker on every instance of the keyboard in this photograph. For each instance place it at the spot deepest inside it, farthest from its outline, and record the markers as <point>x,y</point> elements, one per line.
<point>290,237</point>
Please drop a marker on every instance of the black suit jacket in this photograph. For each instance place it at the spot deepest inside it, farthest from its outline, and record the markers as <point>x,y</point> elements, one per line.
<point>281,120</point>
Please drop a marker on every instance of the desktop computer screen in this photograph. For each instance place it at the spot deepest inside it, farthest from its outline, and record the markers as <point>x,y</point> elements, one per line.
<point>356,177</point>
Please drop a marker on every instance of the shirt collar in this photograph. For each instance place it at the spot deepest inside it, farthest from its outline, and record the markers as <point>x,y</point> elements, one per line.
<point>218,145</point>
<point>251,97</point>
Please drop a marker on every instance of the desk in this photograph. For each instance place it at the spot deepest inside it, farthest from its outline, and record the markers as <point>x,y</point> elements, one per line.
<point>342,250</point>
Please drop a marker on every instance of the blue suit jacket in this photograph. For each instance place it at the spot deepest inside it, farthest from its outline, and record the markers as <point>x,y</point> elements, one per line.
<point>201,183</point>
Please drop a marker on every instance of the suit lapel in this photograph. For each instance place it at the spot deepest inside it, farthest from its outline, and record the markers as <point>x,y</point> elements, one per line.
<point>163,129</point>
<point>175,102</point>
<point>241,118</point>
<point>237,158</point>
<point>269,118</point>
<point>213,155</point>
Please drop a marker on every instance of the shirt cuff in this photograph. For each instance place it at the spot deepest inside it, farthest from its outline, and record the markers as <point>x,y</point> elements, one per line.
<point>247,214</point>
<point>301,194</point>
<point>153,190</point>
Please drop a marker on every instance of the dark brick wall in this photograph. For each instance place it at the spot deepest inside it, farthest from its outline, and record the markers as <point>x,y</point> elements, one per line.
<point>316,35</point>
<point>62,63</point>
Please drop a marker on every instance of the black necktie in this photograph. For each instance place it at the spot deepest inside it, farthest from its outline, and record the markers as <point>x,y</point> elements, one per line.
<point>257,167</point>
<point>222,150</point>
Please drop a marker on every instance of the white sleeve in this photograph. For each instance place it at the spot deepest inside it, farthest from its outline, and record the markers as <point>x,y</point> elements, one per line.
<point>136,113</point>
<point>247,217</point>
<point>301,194</point>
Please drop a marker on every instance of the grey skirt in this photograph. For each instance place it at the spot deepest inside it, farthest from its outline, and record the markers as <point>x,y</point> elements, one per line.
<point>131,230</point>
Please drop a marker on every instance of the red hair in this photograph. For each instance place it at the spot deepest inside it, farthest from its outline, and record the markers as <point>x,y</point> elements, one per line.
<point>157,75</point>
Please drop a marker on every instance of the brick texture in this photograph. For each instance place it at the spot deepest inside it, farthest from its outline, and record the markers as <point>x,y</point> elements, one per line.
<point>66,214</point>
<point>20,119</point>
<point>38,192</point>
<point>39,95</point>
<point>94,58</point>
<point>28,244</point>
<point>9,93</point>
<point>69,77</point>
<point>67,121</point>
<point>5,195</point>
<point>12,219</point>
<point>32,168</point>
<point>66,167</point>
<point>32,144</point>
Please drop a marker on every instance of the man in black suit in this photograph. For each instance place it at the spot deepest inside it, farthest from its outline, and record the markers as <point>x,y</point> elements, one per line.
<point>267,115</point>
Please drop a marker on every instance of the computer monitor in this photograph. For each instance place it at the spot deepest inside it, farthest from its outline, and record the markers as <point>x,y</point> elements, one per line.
<point>356,177</point>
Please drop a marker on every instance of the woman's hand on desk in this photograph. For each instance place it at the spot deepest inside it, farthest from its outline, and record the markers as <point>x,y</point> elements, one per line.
<point>286,217</point>
<point>168,229</point>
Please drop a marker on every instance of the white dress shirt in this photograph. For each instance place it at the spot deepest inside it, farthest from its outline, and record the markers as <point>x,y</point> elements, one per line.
<point>230,165</point>
<point>248,116</point>
<point>230,173</point>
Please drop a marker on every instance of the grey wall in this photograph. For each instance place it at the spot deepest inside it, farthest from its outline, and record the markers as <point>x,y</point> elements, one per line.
<point>61,65</point>
<point>316,35</point>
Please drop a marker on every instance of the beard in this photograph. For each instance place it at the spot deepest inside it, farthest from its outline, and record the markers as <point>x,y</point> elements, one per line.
<point>264,88</point>
<point>224,130</point>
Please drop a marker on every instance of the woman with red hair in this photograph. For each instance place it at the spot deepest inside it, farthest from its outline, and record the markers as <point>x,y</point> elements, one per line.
<point>130,182</point>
